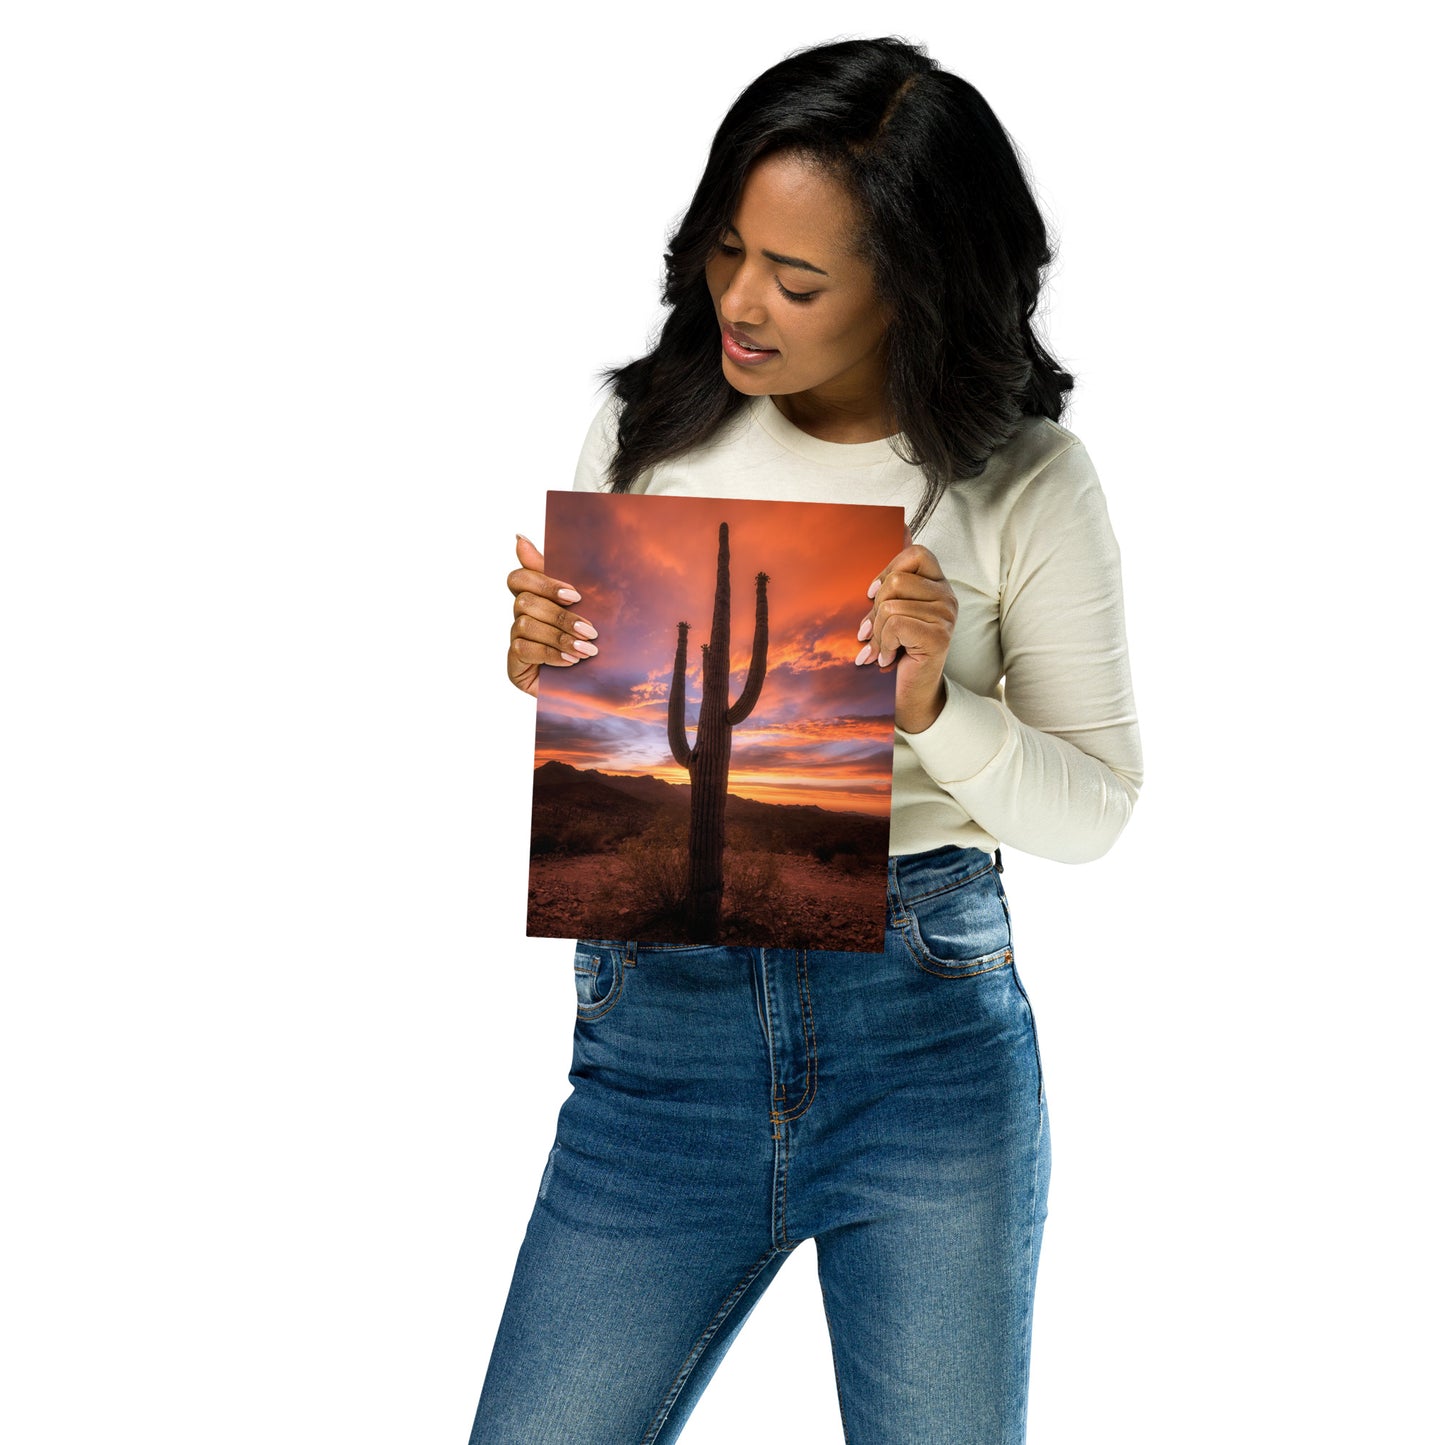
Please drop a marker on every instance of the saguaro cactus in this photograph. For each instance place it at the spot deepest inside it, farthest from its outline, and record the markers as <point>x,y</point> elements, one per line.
<point>707,759</point>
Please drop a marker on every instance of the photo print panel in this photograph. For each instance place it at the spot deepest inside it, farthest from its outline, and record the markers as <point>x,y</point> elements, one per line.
<point>721,770</point>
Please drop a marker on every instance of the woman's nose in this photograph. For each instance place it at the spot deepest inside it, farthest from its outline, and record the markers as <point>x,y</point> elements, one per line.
<point>741,302</point>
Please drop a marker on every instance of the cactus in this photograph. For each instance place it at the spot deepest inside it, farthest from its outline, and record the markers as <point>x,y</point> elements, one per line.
<point>707,759</point>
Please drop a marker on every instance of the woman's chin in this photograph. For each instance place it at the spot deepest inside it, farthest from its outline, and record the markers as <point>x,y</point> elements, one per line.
<point>747,382</point>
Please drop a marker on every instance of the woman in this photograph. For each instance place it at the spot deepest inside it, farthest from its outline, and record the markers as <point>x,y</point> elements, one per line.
<point>850,297</point>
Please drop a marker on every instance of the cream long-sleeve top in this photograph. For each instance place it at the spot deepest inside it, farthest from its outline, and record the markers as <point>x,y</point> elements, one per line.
<point>1038,745</point>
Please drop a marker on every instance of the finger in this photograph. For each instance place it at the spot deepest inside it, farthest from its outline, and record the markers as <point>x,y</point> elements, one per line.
<point>526,579</point>
<point>531,605</point>
<point>912,558</point>
<point>933,612</point>
<point>522,676</point>
<point>922,634</point>
<point>908,594</point>
<point>939,612</point>
<point>524,650</point>
<point>532,562</point>
<point>911,585</point>
<point>560,642</point>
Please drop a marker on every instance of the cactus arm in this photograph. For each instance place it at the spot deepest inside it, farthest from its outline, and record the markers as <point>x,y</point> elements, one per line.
<point>677,703</point>
<point>758,668</point>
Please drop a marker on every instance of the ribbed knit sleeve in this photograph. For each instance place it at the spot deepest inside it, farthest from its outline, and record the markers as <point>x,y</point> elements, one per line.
<point>1056,766</point>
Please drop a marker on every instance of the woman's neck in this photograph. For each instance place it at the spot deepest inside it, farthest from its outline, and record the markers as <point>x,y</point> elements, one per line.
<point>837,420</point>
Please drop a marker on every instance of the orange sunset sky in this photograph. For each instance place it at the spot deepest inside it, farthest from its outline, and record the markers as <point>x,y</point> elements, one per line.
<point>822,731</point>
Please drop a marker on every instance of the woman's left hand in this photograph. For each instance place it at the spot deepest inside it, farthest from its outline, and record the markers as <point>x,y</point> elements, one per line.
<point>909,629</point>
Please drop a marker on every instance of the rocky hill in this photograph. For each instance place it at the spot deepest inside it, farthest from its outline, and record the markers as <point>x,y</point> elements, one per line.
<point>577,811</point>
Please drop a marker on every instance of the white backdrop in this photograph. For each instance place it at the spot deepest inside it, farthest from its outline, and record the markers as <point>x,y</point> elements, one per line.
<point>303,306</point>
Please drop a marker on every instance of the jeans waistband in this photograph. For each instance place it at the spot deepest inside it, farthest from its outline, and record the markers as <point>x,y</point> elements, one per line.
<point>912,876</point>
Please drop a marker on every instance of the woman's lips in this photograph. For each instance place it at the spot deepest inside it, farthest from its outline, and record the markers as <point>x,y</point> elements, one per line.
<point>737,349</point>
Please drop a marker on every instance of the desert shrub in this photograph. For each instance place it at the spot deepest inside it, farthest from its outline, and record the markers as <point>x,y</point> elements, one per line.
<point>652,877</point>
<point>585,833</point>
<point>752,885</point>
<point>823,852</point>
<point>652,871</point>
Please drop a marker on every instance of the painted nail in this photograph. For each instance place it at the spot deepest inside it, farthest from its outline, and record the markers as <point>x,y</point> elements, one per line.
<point>568,659</point>
<point>866,631</point>
<point>569,594</point>
<point>863,656</point>
<point>584,629</point>
<point>873,590</point>
<point>585,648</point>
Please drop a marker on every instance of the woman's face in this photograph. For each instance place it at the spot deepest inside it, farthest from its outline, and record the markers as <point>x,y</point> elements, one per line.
<point>785,280</point>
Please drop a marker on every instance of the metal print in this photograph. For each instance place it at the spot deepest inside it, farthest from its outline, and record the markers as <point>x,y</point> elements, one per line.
<point>720,771</point>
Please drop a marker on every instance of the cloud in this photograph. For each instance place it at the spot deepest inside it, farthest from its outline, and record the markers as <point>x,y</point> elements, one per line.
<point>645,563</point>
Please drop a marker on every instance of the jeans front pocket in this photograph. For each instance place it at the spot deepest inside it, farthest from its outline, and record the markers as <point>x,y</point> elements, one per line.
<point>599,971</point>
<point>961,929</point>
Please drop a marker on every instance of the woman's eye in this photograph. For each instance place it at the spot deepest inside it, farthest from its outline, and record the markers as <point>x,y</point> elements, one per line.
<point>796,295</point>
<point>724,249</point>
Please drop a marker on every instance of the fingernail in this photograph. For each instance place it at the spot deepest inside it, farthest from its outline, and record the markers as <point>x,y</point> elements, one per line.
<point>873,590</point>
<point>568,659</point>
<point>569,594</point>
<point>523,537</point>
<point>866,631</point>
<point>886,659</point>
<point>585,648</point>
<point>584,629</point>
<point>863,656</point>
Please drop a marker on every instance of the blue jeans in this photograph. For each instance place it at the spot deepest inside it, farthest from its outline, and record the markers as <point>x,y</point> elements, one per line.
<point>729,1103</point>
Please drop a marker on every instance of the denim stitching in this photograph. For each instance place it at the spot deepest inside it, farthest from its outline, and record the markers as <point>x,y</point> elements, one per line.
<point>971,973</point>
<point>1022,1347</point>
<point>941,968</point>
<point>688,1365</point>
<point>773,1079</point>
<point>688,947</point>
<point>895,896</point>
<point>780,1212</point>
<point>779,1118</point>
<point>947,887</point>
<point>628,949</point>
<point>810,1087</point>
<point>587,1013</point>
<point>1033,1032</point>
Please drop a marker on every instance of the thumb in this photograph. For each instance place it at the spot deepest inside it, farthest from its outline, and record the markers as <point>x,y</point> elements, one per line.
<point>528,554</point>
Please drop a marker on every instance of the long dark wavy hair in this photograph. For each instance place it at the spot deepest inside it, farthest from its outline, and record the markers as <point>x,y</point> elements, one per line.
<point>950,228</point>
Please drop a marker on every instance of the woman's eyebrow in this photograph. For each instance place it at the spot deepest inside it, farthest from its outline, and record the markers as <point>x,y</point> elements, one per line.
<point>800,264</point>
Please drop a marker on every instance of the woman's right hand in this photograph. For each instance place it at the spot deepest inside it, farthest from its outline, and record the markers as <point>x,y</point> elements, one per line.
<point>543,630</point>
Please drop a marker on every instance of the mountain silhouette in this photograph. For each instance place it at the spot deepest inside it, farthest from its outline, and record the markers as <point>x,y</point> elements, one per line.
<point>579,810</point>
